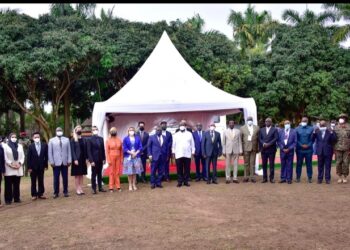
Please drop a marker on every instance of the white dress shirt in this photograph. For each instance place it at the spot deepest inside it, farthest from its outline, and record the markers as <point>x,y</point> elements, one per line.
<point>183,144</point>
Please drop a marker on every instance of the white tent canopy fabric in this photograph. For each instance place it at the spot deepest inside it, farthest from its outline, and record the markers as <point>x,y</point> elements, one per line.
<point>167,88</point>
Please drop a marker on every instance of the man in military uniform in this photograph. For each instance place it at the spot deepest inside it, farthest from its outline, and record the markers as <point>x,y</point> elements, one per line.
<point>342,148</point>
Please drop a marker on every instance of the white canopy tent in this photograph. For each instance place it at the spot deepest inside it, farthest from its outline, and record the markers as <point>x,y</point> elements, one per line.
<point>167,88</point>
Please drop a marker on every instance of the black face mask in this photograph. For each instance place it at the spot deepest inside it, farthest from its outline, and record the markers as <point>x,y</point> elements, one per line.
<point>78,132</point>
<point>113,134</point>
<point>142,128</point>
<point>159,133</point>
<point>164,128</point>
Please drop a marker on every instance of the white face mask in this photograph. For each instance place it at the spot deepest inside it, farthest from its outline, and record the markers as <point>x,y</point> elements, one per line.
<point>303,124</point>
<point>182,128</point>
<point>131,133</point>
<point>332,125</point>
<point>318,124</point>
<point>59,133</point>
<point>37,140</point>
<point>212,128</point>
<point>250,123</point>
<point>14,140</point>
<point>341,120</point>
<point>95,132</point>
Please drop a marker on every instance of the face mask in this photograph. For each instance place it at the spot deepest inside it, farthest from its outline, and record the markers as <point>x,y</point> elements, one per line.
<point>142,128</point>
<point>250,123</point>
<point>267,125</point>
<point>113,133</point>
<point>131,133</point>
<point>323,128</point>
<point>212,128</point>
<point>287,126</point>
<point>303,124</point>
<point>14,140</point>
<point>164,128</point>
<point>199,128</point>
<point>158,133</point>
<point>231,126</point>
<point>37,140</point>
<point>341,120</point>
<point>78,132</point>
<point>59,133</point>
<point>182,128</point>
<point>95,132</point>
<point>317,124</point>
<point>332,125</point>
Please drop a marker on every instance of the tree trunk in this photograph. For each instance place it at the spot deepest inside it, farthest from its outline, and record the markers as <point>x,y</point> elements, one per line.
<point>22,117</point>
<point>67,103</point>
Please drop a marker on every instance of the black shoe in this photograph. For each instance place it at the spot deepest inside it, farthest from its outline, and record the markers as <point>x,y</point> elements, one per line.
<point>289,182</point>
<point>187,184</point>
<point>297,180</point>
<point>310,180</point>
<point>227,182</point>
<point>245,180</point>
<point>198,179</point>
<point>272,181</point>
<point>253,180</point>
<point>179,185</point>
<point>8,202</point>
<point>153,186</point>
<point>17,201</point>
<point>282,181</point>
<point>208,182</point>
<point>264,181</point>
<point>215,182</point>
<point>328,182</point>
<point>235,181</point>
<point>102,190</point>
<point>159,186</point>
<point>55,196</point>
<point>143,180</point>
<point>66,195</point>
<point>319,182</point>
<point>94,192</point>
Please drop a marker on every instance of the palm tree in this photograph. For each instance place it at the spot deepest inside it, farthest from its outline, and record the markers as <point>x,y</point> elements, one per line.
<point>251,29</point>
<point>61,9</point>
<point>341,10</point>
<point>308,17</point>
<point>86,10</point>
<point>196,23</point>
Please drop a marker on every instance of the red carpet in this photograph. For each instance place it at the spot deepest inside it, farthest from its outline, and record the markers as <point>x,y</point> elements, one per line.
<point>220,165</point>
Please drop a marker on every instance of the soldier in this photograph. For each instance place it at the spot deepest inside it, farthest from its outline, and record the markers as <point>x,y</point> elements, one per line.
<point>342,148</point>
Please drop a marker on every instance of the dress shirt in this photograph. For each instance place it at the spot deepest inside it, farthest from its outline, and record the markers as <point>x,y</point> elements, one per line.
<point>183,144</point>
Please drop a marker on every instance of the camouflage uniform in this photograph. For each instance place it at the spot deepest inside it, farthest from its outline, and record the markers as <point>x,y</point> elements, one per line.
<point>342,148</point>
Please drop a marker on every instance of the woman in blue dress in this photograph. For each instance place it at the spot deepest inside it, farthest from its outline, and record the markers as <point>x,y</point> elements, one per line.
<point>132,164</point>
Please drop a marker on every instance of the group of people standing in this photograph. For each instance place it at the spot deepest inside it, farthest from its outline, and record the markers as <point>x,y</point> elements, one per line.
<point>129,156</point>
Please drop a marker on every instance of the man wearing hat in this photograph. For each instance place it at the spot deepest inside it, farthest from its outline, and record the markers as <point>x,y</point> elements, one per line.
<point>342,148</point>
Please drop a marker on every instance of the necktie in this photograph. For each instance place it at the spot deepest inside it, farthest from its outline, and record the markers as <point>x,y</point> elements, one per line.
<point>212,136</point>
<point>38,148</point>
<point>60,143</point>
<point>200,135</point>
<point>286,134</point>
<point>323,132</point>
<point>160,141</point>
<point>141,135</point>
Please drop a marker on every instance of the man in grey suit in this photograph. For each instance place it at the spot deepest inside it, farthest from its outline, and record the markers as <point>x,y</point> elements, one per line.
<point>250,145</point>
<point>231,148</point>
<point>60,159</point>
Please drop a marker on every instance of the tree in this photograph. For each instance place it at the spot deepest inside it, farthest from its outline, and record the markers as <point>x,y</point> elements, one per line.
<point>308,17</point>
<point>196,23</point>
<point>341,10</point>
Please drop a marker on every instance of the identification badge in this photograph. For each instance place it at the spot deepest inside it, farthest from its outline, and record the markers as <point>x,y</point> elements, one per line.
<point>249,138</point>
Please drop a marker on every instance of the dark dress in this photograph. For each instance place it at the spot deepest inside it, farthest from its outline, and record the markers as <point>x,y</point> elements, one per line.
<point>79,154</point>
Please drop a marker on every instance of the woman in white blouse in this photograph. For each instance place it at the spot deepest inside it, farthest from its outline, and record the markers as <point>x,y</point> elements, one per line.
<point>14,159</point>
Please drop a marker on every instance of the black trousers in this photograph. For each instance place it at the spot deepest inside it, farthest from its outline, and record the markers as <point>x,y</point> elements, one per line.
<point>57,171</point>
<point>37,176</point>
<point>213,161</point>
<point>12,188</point>
<point>183,165</point>
<point>96,171</point>
<point>143,173</point>
<point>271,158</point>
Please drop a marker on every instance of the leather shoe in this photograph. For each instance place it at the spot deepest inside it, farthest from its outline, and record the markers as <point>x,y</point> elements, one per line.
<point>289,182</point>
<point>102,190</point>
<point>159,186</point>
<point>43,197</point>
<point>179,185</point>
<point>297,180</point>
<point>17,201</point>
<point>235,181</point>
<point>208,182</point>
<point>282,181</point>
<point>205,179</point>
<point>198,179</point>
<point>272,181</point>
<point>227,182</point>
<point>153,186</point>
<point>66,195</point>
<point>310,180</point>
<point>215,182</point>
<point>55,196</point>
<point>245,180</point>
<point>319,182</point>
<point>34,198</point>
<point>264,181</point>
<point>94,192</point>
<point>8,202</point>
<point>328,182</point>
<point>187,184</point>
<point>253,180</point>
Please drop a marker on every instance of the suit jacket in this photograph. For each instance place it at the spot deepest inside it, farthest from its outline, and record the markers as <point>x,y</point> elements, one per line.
<point>270,139</point>
<point>252,145</point>
<point>144,142</point>
<point>232,142</point>
<point>197,142</point>
<point>155,149</point>
<point>76,150</point>
<point>35,161</point>
<point>127,145</point>
<point>291,142</point>
<point>55,156</point>
<point>169,139</point>
<point>9,171</point>
<point>96,149</point>
<point>209,148</point>
<point>2,160</point>
<point>324,146</point>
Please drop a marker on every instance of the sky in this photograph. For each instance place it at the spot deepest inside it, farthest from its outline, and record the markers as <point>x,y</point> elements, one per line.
<point>214,15</point>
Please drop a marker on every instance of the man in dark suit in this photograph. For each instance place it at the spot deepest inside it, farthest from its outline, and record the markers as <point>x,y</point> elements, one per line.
<point>158,153</point>
<point>287,141</point>
<point>325,139</point>
<point>198,156</point>
<point>169,139</point>
<point>97,158</point>
<point>267,143</point>
<point>143,155</point>
<point>37,161</point>
<point>211,150</point>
